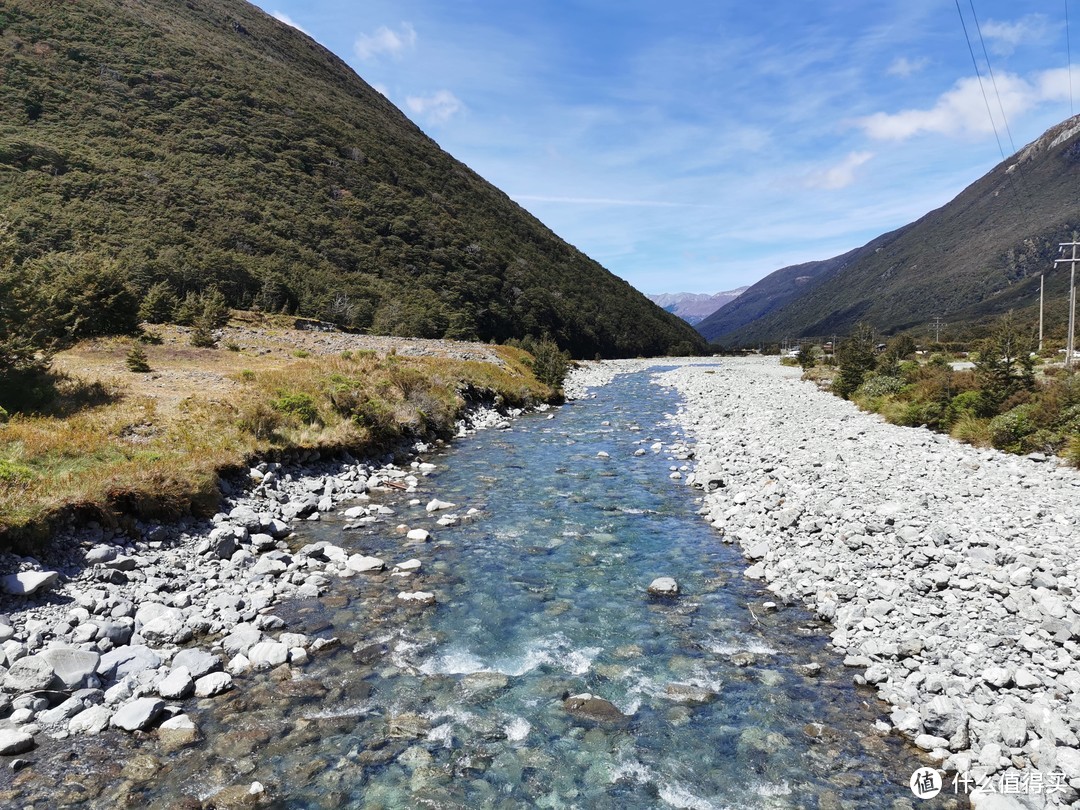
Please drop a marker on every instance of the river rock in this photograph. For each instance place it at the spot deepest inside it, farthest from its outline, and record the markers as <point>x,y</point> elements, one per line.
<point>92,721</point>
<point>15,742</point>
<point>124,661</point>
<point>26,583</point>
<point>73,667</point>
<point>178,732</point>
<point>138,714</point>
<point>590,707</point>
<point>242,638</point>
<point>689,694</point>
<point>268,654</point>
<point>198,662</point>
<point>178,684</point>
<point>436,505</point>
<point>665,587</point>
<point>362,564</point>
<point>29,674</point>
<point>418,536</point>
<point>417,597</point>
<point>214,684</point>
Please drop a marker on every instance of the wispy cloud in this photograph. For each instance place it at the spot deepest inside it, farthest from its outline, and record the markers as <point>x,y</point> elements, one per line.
<point>904,67</point>
<point>285,18</point>
<point>438,108</point>
<point>1006,37</point>
<point>962,110</point>
<point>386,41</point>
<point>839,176</point>
<point>603,201</point>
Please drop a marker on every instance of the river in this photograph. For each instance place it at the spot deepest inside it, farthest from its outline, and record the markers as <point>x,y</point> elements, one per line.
<point>541,594</point>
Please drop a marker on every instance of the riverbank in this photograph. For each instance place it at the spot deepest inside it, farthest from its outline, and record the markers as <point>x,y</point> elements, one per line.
<point>113,445</point>
<point>949,573</point>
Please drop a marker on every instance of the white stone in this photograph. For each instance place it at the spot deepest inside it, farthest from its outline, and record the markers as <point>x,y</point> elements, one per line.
<point>362,564</point>
<point>28,582</point>
<point>213,684</point>
<point>418,535</point>
<point>138,714</point>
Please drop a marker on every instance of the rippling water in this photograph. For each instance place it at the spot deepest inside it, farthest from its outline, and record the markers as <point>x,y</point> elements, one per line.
<point>541,594</point>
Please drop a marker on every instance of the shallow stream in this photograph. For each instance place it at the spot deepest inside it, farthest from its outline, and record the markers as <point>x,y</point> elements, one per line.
<point>540,595</point>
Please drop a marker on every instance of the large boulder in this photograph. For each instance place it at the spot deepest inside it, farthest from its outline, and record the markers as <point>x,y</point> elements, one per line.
<point>29,674</point>
<point>130,660</point>
<point>72,666</point>
<point>28,582</point>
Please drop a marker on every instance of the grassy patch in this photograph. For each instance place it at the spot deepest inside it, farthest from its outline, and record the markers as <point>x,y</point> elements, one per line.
<point>153,449</point>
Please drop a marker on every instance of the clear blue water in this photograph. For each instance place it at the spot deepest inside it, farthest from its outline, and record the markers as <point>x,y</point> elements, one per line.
<point>540,595</point>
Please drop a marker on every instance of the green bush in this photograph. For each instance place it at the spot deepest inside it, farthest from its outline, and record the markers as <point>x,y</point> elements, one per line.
<point>1008,430</point>
<point>880,386</point>
<point>968,403</point>
<point>549,364</point>
<point>159,304</point>
<point>297,404</point>
<point>136,360</point>
<point>855,358</point>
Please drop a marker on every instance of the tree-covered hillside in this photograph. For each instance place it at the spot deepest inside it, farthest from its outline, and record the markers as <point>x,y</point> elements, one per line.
<point>204,144</point>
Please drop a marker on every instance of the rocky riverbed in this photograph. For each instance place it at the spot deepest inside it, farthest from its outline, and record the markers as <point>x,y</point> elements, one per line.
<point>949,573</point>
<point>115,629</point>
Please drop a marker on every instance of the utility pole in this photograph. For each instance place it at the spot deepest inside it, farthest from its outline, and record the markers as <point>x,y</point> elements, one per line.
<point>1042,284</point>
<point>937,329</point>
<point>1073,258</point>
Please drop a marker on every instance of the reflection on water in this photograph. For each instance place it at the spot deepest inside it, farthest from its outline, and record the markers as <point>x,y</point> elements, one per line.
<point>541,595</point>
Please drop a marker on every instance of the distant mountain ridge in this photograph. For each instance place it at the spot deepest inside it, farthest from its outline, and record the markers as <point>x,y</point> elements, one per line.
<point>205,144</point>
<point>695,307</point>
<point>969,261</point>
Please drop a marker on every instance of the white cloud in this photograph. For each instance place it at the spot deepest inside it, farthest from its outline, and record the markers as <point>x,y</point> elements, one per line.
<point>961,111</point>
<point>281,16</point>
<point>1006,37</point>
<point>904,67</point>
<point>386,41</point>
<point>439,107</point>
<point>839,176</point>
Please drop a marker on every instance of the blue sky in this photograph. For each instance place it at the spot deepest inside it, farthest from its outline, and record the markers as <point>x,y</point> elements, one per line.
<point>697,146</point>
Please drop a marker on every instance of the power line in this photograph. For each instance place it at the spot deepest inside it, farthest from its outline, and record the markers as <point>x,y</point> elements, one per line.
<point>990,70</point>
<point>978,74</point>
<point>1068,50</point>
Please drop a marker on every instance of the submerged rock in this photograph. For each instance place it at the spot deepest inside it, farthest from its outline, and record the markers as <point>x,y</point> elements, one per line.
<point>590,707</point>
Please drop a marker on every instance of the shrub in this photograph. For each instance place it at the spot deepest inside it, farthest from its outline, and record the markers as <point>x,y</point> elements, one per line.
<point>807,356</point>
<point>969,403</point>
<point>880,386</point>
<point>855,358</point>
<point>260,420</point>
<point>297,404</point>
<point>201,337</point>
<point>159,304</point>
<point>136,360</point>
<point>1004,366</point>
<point>1008,430</point>
<point>971,429</point>
<point>550,364</point>
<point>1072,451</point>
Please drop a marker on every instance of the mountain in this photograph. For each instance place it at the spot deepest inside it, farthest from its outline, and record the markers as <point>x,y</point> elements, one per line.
<point>205,144</point>
<point>969,261</point>
<point>695,307</point>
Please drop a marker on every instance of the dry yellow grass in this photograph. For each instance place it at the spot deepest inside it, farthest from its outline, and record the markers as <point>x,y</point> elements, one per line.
<point>152,444</point>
